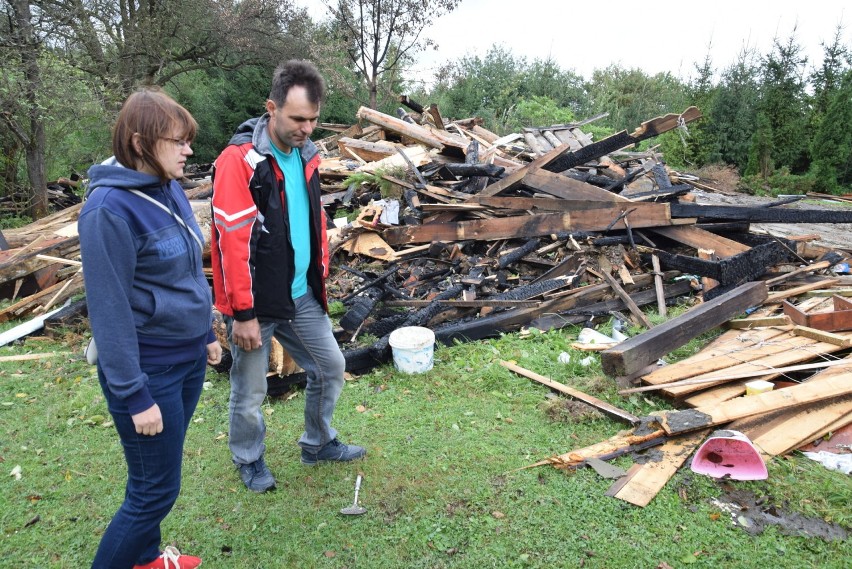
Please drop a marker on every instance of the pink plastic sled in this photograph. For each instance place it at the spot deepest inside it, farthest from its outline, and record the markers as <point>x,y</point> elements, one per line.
<point>729,453</point>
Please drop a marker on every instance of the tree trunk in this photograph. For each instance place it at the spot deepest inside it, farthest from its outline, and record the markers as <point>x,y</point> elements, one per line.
<point>36,174</point>
<point>34,140</point>
<point>374,92</point>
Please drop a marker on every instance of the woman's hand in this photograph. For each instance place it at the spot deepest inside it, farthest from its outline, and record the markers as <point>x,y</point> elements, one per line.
<point>149,422</point>
<point>214,353</point>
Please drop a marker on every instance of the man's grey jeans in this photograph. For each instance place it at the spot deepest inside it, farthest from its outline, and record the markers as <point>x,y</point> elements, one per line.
<point>309,341</point>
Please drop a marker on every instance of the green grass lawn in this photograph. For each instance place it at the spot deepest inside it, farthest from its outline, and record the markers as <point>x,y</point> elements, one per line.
<point>441,480</point>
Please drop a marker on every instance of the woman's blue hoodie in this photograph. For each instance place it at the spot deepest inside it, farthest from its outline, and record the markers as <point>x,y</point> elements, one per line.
<point>148,299</point>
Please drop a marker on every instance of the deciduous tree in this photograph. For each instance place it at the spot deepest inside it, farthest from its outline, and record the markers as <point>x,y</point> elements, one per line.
<point>126,43</point>
<point>380,35</point>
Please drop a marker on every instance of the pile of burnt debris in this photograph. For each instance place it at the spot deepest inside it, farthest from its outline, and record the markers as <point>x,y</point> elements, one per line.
<point>447,225</point>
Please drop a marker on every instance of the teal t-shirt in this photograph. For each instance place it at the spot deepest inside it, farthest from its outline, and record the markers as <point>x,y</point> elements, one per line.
<point>298,208</point>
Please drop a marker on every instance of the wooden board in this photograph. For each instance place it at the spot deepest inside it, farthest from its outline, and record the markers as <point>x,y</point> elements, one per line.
<point>644,481</point>
<point>639,351</point>
<point>693,419</point>
<point>567,188</point>
<point>785,294</point>
<point>791,351</point>
<point>516,177</point>
<point>600,405</point>
<point>798,428</point>
<point>367,151</point>
<point>782,431</point>
<point>717,394</point>
<point>517,226</point>
<point>731,348</point>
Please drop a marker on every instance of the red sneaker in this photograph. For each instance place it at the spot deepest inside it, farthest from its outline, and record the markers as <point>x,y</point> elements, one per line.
<point>171,558</point>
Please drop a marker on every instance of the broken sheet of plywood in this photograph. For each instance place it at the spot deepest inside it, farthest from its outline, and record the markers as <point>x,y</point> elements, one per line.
<point>370,245</point>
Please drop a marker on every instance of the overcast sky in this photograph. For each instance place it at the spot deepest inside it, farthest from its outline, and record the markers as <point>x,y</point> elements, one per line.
<point>656,36</point>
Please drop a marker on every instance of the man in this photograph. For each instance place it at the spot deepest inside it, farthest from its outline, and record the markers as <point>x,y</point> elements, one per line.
<point>270,259</point>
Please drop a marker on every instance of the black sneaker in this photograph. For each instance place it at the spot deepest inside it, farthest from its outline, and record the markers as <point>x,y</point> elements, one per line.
<point>333,451</point>
<point>256,476</point>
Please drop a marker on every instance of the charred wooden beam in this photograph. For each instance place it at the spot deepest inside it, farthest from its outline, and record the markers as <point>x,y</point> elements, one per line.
<point>619,140</point>
<point>489,303</point>
<point>604,308</point>
<point>368,282</point>
<point>475,169</point>
<point>411,104</point>
<point>71,315</point>
<point>761,214</point>
<point>744,266</point>
<point>360,308</point>
<point>518,253</point>
<point>596,180</point>
<point>419,318</point>
<point>661,177</point>
<point>569,311</point>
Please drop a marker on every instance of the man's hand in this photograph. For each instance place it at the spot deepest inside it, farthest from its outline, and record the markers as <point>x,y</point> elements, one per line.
<point>149,422</point>
<point>214,353</point>
<point>246,335</point>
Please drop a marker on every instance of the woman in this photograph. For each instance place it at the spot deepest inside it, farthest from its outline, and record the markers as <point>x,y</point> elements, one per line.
<point>150,312</point>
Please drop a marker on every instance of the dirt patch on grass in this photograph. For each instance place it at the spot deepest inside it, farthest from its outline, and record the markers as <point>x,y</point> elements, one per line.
<point>754,514</point>
<point>563,410</point>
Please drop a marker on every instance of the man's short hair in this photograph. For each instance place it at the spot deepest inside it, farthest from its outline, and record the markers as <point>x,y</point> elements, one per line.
<point>297,72</point>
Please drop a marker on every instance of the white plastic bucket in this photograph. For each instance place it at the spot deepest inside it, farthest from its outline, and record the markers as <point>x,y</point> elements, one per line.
<point>413,348</point>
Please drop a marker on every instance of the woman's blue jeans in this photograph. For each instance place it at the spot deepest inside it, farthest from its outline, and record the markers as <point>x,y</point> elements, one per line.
<point>153,464</point>
<point>309,341</point>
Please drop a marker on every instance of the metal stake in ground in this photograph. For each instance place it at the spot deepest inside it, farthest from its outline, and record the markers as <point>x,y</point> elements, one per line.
<point>355,509</point>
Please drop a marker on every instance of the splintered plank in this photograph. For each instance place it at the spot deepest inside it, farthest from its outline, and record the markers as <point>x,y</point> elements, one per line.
<point>675,422</point>
<point>368,151</point>
<point>644,481</point>
<point>600,405</point>
<point>639,351</point>
<point>613,445</point>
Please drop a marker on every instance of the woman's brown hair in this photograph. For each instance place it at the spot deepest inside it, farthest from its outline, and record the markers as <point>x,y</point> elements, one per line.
<point>152,115</point>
